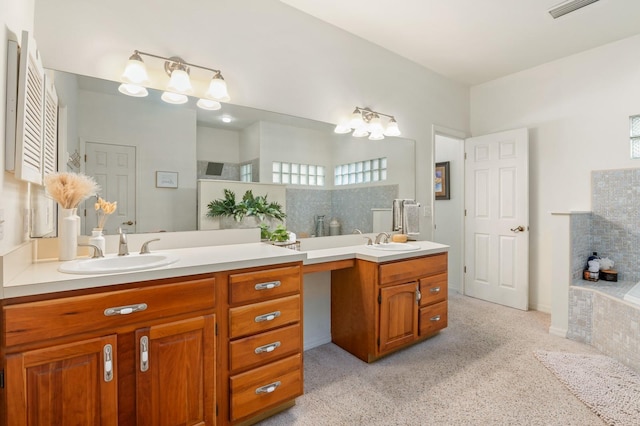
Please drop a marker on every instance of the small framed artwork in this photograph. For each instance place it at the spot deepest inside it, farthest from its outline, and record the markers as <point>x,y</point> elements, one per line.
<point>441,181</point>
<point>166,179</point>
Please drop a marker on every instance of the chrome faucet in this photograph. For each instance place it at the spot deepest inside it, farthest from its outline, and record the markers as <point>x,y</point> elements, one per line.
<point>145,246</point>
<point>97,251</point>
<point>123,248</point>
<point>382,235</point>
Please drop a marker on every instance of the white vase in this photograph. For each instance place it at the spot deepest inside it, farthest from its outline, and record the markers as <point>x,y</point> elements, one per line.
<point>97,239</point>
<point>68,234</point>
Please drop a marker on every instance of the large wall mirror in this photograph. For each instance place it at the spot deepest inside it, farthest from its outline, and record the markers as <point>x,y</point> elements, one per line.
<point>151,155</point>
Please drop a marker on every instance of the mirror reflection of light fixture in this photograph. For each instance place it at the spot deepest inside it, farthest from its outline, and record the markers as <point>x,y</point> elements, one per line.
<point>135,78</point>
<point>365,122</point>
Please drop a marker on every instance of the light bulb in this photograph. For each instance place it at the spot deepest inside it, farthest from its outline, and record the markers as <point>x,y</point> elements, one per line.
<point>375,125</point>
<point>376,136</point>
<point>135,71</point>
<point>174,98</point>
<point>133,90</point>
<point>342,128</point>
<point>208,104</point>
<point>218,89</point>
<point>361,132</point>
<point>356,120</point>
<point>179,82</point>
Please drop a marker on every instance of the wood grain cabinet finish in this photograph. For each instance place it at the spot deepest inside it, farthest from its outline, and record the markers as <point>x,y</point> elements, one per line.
<point>142,355</point>
<point>264,342</point>
<point>379,308</point>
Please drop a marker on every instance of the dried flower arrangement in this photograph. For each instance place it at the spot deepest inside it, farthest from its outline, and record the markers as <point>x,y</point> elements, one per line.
<point>103,210</point>
<point>69,189</point>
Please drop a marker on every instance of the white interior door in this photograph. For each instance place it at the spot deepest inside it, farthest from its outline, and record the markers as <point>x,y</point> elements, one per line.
<point>114,168</point>
<point>497,218</point>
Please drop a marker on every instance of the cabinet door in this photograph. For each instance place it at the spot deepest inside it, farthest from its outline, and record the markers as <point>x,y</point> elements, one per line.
<point>175,378</point>
<point>398,315</point>
<point>70,384</point>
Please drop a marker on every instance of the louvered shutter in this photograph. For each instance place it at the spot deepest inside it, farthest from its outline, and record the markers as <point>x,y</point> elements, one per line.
<point>50,131</point>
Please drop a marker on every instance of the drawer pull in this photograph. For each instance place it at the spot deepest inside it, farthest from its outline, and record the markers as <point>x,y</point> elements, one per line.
<point>267,348</point>
<point>125,310</point>
<point>435,318</point>
<point>268,388</point>
<point>435,290</point>
<point>267,317</point>
<point>144,353</point>
<point>108,362</point>
<point>267,286</point>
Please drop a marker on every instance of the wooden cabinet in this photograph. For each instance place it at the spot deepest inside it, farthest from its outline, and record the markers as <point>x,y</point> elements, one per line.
<point>264,337</point>
<point>146,352</point>
<point>377,308</point>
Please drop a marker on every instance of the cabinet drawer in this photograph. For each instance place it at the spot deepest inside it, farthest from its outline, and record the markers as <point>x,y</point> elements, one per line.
<point>263,316</point>
<point>254,286</point>
<point>433,318</point>
<point>433,289</point>
<point>407,270</point>
<point>49,319</point>
<point>265,387</point>
<point>264,347</point>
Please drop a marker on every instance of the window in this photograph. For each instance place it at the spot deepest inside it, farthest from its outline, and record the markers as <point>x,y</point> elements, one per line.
<point>361,172</point>
<point>245,172</point>
<point>297,174</point>
<point>634,124</point>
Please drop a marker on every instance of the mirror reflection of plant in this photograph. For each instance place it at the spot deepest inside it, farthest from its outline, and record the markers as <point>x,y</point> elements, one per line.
<point>250,205</point>
<point>280,234</point>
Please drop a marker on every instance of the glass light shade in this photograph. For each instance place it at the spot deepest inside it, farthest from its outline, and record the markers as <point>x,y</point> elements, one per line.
<point>133,90</point>
<point>179,82</point>
<point>135,71</point>
<point>218,89</point>
<point>356,120</point>
<point>208,104</point>
<point>375,125</point>
<point>174,98</point>
<point>376,136</point>
<point>392,129</point>
<point>361,132</point>
<point>342,128</point>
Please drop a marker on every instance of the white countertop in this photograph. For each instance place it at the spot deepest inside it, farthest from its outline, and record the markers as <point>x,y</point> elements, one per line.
<point>44,277</point>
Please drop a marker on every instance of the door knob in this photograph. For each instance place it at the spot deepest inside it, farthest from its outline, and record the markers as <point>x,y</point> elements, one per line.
<point>131,223</point>
<point>518,229</point>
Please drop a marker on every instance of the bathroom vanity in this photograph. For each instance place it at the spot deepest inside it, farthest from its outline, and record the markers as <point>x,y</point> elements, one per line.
<point>214,338</point>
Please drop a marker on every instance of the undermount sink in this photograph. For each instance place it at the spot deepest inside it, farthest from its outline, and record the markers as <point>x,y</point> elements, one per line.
<point>113,263</point>
<point>393,246</point>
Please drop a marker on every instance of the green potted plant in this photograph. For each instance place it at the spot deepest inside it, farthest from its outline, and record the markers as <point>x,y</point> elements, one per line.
<point>248,212</point>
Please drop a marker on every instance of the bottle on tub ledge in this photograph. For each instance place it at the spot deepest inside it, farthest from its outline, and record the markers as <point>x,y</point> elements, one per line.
<point>592,269</point>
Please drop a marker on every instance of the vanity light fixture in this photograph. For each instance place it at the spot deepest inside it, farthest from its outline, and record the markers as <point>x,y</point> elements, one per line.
<point>365,122</point>
<point>135,78</point>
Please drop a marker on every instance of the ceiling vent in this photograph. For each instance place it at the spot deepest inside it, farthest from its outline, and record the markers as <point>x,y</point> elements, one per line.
<point>568,7</point>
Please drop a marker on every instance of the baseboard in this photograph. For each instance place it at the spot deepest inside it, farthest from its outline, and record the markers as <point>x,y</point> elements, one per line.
<point>318,341</point>
<point>560,332</point>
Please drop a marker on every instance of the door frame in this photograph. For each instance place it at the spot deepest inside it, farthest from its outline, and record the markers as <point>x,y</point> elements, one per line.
<point>454,134</point>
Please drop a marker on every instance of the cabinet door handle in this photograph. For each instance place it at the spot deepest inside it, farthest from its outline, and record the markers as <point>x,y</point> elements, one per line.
<point>435,290</point>
<point>418,295</point>
<point>267,317</point>
<point>125,310</point>
<point>267,348</point>
<point>435,318</point>
<point>107,354</point>
<point>144,353</point>
<point>268,388</point>
<point>267,286</point>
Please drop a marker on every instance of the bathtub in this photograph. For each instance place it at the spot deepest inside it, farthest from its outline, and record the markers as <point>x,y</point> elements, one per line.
<point>633,295</point>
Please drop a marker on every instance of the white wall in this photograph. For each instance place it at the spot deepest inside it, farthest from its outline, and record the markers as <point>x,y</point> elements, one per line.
<point>449,214</point>
<point>218,145</point>
<point>15,15</point>
<point>577,109</point>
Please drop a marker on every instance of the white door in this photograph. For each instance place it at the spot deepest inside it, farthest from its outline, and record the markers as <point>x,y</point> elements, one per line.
<point>114,168</point>
<point>497,218</point>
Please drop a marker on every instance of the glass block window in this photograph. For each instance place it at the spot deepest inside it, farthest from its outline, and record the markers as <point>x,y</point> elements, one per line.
<point>245,172</point>
<point>634,124</point>
<point>297,174</point>
<point>361,172</point>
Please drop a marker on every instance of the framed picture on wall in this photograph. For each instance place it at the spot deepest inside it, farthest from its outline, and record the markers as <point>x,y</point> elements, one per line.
<point>166,179</point>
<point>441,181</point>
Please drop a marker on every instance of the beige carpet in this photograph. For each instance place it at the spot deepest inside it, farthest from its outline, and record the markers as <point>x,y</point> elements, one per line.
<point>609,388</point>
<point>479,371</point>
